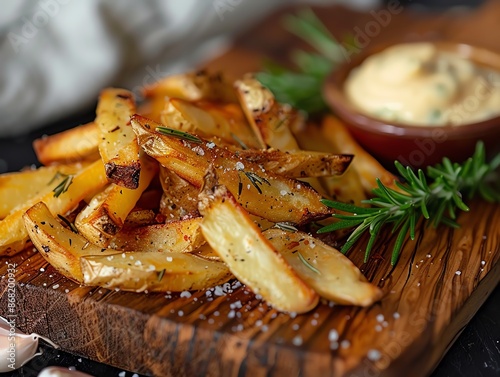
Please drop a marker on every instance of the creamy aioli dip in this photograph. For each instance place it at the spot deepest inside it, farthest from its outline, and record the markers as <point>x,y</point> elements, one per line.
<point>416,84</point>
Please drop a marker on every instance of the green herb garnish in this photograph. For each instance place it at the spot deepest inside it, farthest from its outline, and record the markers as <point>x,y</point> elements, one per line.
<point>68,223</point>
<point>437,201</point>
<point>63,186</point>
<point>256,180</point>
<point>178,134</point>
<point>302,88</point>
<point>287,227</point>
<point>307,264</point>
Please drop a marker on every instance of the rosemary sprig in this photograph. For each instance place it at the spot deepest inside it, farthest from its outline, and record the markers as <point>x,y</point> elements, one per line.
<point>63,186</point>
<point>302,88</point>
<point>178,134</point>
<point>437,201</point>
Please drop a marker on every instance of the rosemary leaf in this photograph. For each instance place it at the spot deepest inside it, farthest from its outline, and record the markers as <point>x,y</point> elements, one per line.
<point>307,264</point>
<point>178,134</point>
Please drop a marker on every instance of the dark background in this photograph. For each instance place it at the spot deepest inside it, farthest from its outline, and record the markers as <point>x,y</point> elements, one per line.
<point>476,352</point>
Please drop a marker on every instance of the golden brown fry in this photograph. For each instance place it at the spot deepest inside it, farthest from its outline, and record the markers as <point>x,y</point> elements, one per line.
<point>76,144</point>
<point>60,246</point>
<point>209,119</point>
<point>329,272</point>
<point>193,86</point>
<point>182,236</point>
<point>346,188</point>
<point>154,272</point>
<point>367,167</point>
<point>90,180</point>
<point>180,198</point>
<point>299,164</point>
<point>17,188</point>
<point>261,193</point>
<point>117,145</point>
<point>250,257</point>
<point>268,118</point>
<point>106,213</point>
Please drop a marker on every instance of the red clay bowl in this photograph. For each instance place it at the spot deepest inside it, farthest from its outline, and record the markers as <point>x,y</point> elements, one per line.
<point>417,146</point>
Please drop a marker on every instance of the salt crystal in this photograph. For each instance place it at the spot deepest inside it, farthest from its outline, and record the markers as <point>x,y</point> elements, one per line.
<point>380,317</point>
<point>458,273</point>
<point>210,145</point>
<point>180,313</point>
<point>42,269</point>
<point>170,259</point>
<point>297,341</point>
<point>345,343</point>
<point>231,314</point>
<point>374,355</point>
<point>333,335</point>
<point>396,315</point>
<point>483,263</point>
<point>185,294</point>
<point>283,192</point>
<point>295,327</point>
<point>122,374</point>
<point>55,286</point>
<point>240,166</point>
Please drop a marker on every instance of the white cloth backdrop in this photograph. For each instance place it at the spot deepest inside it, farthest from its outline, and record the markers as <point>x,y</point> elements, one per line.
<point>56,55</point>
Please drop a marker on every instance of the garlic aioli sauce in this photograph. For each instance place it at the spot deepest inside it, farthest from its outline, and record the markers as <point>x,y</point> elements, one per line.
<point>415,84</point>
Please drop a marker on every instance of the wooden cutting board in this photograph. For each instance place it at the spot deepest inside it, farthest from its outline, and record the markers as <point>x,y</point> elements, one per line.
<point>441,280</point>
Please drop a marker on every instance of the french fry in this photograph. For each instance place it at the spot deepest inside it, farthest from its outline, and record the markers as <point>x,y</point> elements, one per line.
<point>182,236</point>
<point>346,188</point>
<point>105,215</point>
<point>76,144</point>
<point>180,198</point>
<point>154,272</point>
<point>329,272</point>
<point>61,247</point>
<point>262,193</point>
<point>208,119</point>
<point>21,186</point>
<point>267,117</point>
<point>298,164</point>
<point>193,86</point>
<point>248,254</point>
<point>117,142</point>
<point>367,167</point>
<point>90,180</point>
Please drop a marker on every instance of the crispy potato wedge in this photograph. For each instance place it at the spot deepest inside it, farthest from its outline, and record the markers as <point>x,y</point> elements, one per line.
<point>329,272</point>
<point>140,217</point>
<point>367,167</point>
<point>182,236</point>
<point>60,246</point>
<point>208,119</point>
<point>299,164</point>
<point>21,186</point>
<point>154,272</point>
<point>268,118</point>
<point>106,213</point>
<point>193,86</point>
<point>117,142</point>
<point>90,180</point>
<point>249,255</point>
<point>76,144</point>
<point>262,193</point>
<point>180,198</point>
<point>345,188</point>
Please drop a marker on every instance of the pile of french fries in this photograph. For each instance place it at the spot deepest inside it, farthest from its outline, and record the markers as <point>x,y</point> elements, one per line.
<point>205,182</point>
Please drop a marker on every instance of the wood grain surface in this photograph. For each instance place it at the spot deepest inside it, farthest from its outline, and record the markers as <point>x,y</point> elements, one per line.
<point>439,283</point>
